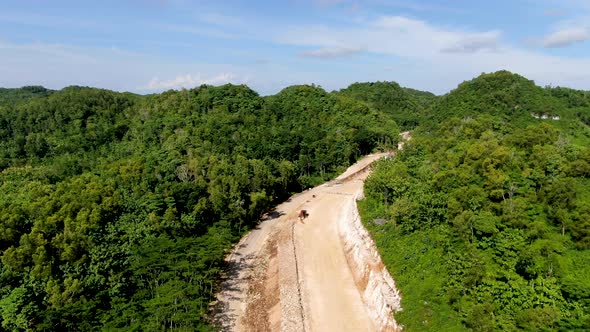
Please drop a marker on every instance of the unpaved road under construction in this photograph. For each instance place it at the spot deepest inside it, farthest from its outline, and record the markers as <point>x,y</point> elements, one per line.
<point>298,275</point>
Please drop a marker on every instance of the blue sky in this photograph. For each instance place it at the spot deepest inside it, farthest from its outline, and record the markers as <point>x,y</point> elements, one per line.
<point>147,46</point>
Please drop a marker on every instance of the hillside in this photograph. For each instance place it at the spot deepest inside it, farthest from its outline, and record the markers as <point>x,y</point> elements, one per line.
<point>117,210</point>
<point>13,96</point>
<point>404,105</point>
<point>499,94</point>
<point>488,211</point>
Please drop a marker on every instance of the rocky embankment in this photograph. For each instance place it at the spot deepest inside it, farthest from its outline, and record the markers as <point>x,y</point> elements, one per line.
<point>374,282</point>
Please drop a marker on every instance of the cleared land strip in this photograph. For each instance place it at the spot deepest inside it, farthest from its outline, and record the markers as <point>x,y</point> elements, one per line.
<point>292,275</point>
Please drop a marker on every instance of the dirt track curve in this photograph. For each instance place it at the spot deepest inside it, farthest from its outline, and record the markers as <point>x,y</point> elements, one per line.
<point>292,275</point>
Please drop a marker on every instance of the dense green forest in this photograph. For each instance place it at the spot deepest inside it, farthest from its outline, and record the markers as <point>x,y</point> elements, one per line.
<point>406,106</point>
<point>488,210</point>
<point>117,209</point>
<point>13,96</point>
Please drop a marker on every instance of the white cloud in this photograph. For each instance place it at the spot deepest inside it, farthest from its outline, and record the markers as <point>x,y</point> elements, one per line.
<point>566,37</point>
<point>396,35</point>
<point>440,56</point>
<point>51,51</point>
<point>59,65</point>
<point>189,81</point>
<point>56,66</point>
<point>331,52</point>
<point>412,51</point>
<point>487,41</point>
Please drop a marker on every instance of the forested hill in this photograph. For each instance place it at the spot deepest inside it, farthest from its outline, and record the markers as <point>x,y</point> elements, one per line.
<point>117,210</point>
<point>27,92</point>
<point>406,106</point>
<point>509,97</point>
<point>488,210</point>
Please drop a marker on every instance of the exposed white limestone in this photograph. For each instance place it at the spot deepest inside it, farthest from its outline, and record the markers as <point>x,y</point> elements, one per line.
<point>376,285</point>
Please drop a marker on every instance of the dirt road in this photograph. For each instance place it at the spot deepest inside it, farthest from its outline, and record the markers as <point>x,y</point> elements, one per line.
<point>292,275</point>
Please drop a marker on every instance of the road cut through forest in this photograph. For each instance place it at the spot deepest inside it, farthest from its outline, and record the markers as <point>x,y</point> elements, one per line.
<point>302,274</point>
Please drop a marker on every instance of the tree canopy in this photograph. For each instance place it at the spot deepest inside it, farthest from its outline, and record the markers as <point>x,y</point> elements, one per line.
<point>406,106</point>
<point>488,211</point>
<point>117,210</point>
